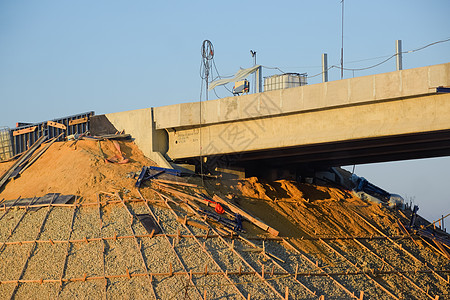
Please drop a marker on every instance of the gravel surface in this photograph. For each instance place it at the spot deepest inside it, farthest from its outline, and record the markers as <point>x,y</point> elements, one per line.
<point>115,257</point>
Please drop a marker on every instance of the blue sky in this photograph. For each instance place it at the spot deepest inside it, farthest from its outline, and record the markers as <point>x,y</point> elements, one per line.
<point>59,58</point>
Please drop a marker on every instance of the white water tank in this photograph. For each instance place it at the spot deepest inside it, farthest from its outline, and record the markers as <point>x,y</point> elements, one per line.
<point>284,81</point>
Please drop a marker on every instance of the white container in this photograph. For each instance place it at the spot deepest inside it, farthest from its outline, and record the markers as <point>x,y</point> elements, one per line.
<point>284,81</point>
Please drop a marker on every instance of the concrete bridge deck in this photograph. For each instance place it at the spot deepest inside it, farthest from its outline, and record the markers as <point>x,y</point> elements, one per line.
<point>383,117</point>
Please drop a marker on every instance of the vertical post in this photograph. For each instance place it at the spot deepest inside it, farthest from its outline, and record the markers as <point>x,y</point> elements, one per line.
<point>342,42</point>
<point>324,67</point>
<point>398,53</point>
<point>253,53</point>
<point>259,80</point>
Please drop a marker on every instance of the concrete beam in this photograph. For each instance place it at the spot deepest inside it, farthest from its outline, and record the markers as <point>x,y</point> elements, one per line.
<point>321,96</point>
<point>374,119</point>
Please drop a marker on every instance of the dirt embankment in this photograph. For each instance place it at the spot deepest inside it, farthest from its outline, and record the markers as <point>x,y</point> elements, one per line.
<point>301,211</point>
<point>79,170</point>
<point>295,209</point>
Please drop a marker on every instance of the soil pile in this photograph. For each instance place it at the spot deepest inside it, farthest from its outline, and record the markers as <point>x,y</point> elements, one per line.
<point>79,170</point>
<point>301,211</point>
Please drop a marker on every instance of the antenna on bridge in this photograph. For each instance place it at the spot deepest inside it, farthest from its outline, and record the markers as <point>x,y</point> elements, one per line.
<point>205,70</point>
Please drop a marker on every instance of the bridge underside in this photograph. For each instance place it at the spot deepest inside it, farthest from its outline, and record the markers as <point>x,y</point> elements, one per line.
<point>371,150</point>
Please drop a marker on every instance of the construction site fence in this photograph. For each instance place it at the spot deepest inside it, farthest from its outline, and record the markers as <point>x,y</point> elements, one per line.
<point>6,151</point>
<point>26,134</point>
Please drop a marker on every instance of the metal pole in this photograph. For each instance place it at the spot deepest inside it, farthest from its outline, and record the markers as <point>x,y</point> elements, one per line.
<point>259,79</point>
<point>255,76</point>
<point>398,52</point>
<point>324,67</point>
<point>342,42</point>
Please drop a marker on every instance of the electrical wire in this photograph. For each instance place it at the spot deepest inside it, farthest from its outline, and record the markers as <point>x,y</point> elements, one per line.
<point>388,57</point>
<point>394,55</point>
<point>274,68</point>
<point>336,66</point>
<point>217,71</point>
<point>426,46</point>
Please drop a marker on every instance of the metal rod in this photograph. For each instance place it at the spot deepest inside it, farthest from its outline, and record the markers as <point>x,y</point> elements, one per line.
<point>358,269</point>
<point>237,253</point>
<point>209,255</point>
<point>103,258</point>
<point>202,273</point>
<point>63,271</point>
<point>398,53</point>
<point>11,232</point>
<point>398,245</point>
<point>393,268</point>
<point>138,248</point>
<point>174,250</point>
<point>33,248</point>
<point>324,67</point>
<point>342,42</point>
<point>319,268</point>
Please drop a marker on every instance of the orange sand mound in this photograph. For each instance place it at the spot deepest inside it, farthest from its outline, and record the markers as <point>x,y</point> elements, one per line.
<point>79,170</point>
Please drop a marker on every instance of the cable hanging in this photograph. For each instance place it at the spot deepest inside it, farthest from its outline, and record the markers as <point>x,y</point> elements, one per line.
<point>389,57</point>
<point>207,52</point>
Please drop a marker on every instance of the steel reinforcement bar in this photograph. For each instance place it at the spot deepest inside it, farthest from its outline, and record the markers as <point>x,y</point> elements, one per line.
<point>63,270</point>
<point>172,246</point>
<point>207,253</point>
<point>128,275</point>
<point>399,246</point>
<point>231,247</point>
<point>357,268</point>
<point>393,268</point>
<point>106,202</point>
<point>33,248</point>
<point>139,247</point>
<point>105,286</point>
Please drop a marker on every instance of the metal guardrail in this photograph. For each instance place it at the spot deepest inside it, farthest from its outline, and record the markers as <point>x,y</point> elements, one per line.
<point>24,136</point>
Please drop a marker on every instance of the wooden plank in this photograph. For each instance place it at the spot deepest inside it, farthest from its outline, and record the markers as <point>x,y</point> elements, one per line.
<point>175,192</point>
<point>246,215</point>
<point>177,183</point>
<point>402,227</point>
<point>25,130</point>
<point>78,121</point>
<point>192,223</point>
<point>57,125</point>
<point>442,248</point>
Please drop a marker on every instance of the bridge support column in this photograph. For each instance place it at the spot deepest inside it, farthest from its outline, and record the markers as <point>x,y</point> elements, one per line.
<point>140,124</point>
